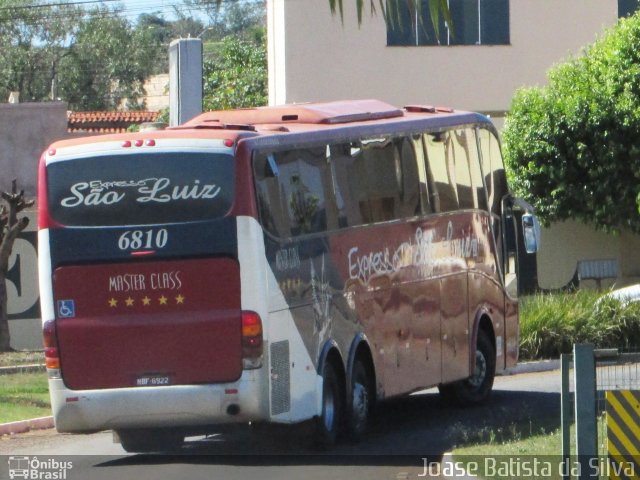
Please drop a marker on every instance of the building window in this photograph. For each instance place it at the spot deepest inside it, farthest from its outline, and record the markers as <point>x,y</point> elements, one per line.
<point>475,22</point>
<point>627,8</point>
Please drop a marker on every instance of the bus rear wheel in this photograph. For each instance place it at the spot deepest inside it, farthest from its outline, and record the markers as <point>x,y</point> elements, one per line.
<point>360,402</point>
<point>150,440</point>
<point>330,420</point>
<point>476,388</point>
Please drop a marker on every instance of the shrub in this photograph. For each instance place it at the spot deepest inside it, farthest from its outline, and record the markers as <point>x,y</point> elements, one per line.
<point>572,147</point>
<point>551,323</point>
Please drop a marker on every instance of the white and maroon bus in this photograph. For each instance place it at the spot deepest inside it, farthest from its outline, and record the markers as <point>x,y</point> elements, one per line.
<point>275,264</point>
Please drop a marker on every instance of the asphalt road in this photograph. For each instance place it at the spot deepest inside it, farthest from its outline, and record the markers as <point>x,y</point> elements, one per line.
<point>407,433</point>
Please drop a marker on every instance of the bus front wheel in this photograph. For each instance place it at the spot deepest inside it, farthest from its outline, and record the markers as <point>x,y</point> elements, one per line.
<point>476,388</point>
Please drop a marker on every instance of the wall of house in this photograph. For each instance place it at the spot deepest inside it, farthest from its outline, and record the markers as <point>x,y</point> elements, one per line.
<point>156,92</point>
<point>26,129</point>
<point>313,56</point>
<point>564,244</point>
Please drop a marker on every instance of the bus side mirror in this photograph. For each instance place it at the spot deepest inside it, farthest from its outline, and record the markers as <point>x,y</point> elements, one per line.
<point>531,232</point>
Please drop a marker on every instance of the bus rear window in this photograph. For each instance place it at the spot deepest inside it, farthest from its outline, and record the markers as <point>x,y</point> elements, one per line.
<point>140,189</point>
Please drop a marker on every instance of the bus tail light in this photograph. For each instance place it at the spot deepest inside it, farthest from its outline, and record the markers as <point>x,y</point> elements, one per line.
<point>51,353</point>
<point>251,340</point>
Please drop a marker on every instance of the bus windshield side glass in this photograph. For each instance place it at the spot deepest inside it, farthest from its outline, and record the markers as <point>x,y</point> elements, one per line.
<point>141,189</point>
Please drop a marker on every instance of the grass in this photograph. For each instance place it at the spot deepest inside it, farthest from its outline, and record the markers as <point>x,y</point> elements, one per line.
<point>9,359</point>
<point>551,323</point>
<point>24,396</point>
<point>485,458</point>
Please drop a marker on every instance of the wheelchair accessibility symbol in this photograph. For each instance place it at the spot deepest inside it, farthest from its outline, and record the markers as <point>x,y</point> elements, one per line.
<point>66,308</point>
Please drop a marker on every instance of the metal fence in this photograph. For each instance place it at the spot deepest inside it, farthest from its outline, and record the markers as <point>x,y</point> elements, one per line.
<point>585,382</point>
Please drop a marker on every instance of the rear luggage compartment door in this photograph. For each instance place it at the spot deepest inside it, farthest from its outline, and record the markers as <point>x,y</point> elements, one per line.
<point>173,322</point>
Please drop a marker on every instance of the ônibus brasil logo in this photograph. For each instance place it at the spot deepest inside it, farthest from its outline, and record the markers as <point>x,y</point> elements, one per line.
<point>32,468</point>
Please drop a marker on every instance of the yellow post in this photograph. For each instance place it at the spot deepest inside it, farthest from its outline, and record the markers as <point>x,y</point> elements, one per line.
<point>623,434</point>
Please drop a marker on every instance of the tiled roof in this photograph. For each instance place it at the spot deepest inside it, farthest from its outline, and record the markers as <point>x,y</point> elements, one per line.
<point>107,122</point>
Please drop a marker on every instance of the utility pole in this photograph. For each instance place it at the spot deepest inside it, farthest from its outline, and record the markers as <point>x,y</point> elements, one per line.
<point>54,82</point>
<point>185,80</point>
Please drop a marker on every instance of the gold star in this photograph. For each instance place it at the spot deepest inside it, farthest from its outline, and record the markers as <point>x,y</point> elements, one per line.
<point>179,299</point>
<point>163,300</point>
<point>113,303</point>
<point>129,301</point>
<point>146,301</point>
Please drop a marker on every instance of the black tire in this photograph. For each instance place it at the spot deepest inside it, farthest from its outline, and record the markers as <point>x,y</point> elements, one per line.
<point>362,397</point>
<point>150,440</point>
<point>476,388</point>
<point>329,422</point>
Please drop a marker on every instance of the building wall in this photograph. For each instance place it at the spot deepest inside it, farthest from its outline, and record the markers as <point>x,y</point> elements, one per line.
<point>26,129</point>
<point>315,57</point>
<point>156,90</point>
<point>564,244</point>
<point>25,326</point>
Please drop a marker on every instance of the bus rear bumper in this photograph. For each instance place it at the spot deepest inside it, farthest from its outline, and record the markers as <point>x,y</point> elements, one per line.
<point>84,411</point>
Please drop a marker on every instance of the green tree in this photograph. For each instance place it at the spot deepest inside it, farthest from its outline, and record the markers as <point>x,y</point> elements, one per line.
<point>238,76</point>
<point>243,18</point>
<point>34,39</point>
<point>108,61</point>
<point>573,146</point>
<point>92,59</point>
<point>157,32</point>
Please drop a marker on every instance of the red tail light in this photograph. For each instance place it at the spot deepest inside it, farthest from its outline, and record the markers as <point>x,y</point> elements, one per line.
<point>251,340</point>
<point>51,354</point>
<point>44,219</point>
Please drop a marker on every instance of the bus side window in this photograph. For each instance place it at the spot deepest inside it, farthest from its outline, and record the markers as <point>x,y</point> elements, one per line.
<point>409,184</point>
<point>493,169</point>
<point>495,181</point>
<point>271,207</point>
<point>303,177</point>
<point>382,179</point>
<point>357,174</point>
<point>471,192</point>
<point>439,163</point>
<point>477,182</point>
<point>342,167</point>
<point>425,185</point>
<point>433,197</point>
<point>459,157</point>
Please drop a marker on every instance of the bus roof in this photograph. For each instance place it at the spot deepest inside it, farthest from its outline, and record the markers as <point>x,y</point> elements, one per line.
<point>265,121</point>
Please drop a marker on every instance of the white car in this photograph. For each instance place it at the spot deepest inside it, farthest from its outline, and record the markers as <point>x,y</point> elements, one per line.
<point>625,295</point>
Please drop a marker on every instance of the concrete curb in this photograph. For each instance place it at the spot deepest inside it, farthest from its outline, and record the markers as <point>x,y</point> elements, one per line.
<point>533,367</point>
<point>23,426</point>
<point>36,367</point>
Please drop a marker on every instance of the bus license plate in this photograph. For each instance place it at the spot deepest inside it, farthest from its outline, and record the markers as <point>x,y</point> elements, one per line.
<point>153,380</point>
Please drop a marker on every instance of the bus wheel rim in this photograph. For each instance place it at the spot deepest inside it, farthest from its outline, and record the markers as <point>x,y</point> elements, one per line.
<point>359,404</point>
<point>480,371</point>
